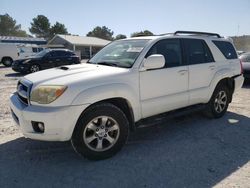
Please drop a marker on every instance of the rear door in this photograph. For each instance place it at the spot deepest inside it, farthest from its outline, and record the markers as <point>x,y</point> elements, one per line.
<point>201,67</point>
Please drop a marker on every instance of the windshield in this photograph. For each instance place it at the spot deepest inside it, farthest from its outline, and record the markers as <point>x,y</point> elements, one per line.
<point>42,53</point>
<point>121,53</point>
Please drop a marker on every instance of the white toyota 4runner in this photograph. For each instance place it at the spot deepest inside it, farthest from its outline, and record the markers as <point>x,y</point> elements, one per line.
<point>96,104</point>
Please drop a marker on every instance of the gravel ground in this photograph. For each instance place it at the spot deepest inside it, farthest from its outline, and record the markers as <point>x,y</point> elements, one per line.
<point>189,151</point>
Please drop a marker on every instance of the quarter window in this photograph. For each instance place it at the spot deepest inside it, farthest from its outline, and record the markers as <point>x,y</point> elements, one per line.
<point>170,49</point>
<point>197,52</point>
<point>226,49</point>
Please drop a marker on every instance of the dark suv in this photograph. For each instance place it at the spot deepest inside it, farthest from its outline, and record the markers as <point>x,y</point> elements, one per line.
<point>45,59</point>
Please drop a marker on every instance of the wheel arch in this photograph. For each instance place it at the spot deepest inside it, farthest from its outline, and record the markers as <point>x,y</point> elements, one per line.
<point>229,82</point>
<point>120,95</point>
<point>6,57</point>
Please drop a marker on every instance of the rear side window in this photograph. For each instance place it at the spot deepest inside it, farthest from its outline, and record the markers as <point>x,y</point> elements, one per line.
<point>197,52</point>
<point>226,49</point>
<point>70,54</point>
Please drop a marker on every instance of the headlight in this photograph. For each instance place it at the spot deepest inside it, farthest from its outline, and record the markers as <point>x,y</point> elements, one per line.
<point>26,61</point>
<point>47,94</point>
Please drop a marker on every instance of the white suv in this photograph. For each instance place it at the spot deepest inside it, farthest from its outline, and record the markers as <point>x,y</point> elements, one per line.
<point>96,104</point>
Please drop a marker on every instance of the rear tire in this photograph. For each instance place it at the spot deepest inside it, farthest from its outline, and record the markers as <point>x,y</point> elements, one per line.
<point>7,61</point>
<point>101,131</point>
<point>218,104</point>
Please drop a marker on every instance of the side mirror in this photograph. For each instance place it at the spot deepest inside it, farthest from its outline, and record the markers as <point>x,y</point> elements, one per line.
<point>155,61</point>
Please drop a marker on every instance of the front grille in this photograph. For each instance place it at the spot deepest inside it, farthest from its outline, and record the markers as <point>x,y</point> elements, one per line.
<point>23,90</point>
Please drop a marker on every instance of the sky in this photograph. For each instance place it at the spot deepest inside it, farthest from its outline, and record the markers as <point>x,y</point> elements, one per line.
<point>226,17</point>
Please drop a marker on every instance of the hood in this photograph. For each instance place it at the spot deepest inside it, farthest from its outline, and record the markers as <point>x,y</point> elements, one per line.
<point>73,73</point>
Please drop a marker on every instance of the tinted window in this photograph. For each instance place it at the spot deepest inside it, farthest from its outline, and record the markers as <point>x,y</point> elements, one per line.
<point>170,49</point>
<point>40,49</point>
<point>197,52</point>
<point>59,53</point>
<point>34,50</point>
<point>226,49</point>
<point>62,53</point>
<point>54,54</point>
<point>70,54</point>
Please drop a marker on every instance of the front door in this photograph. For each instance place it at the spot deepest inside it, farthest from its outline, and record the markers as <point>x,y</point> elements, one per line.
<point>164,89</point>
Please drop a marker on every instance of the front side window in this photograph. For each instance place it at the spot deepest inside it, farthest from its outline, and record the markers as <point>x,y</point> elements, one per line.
<point>121,53</point>
<point>226,49</point>
<point>197,52</point>
<point>170,49</point>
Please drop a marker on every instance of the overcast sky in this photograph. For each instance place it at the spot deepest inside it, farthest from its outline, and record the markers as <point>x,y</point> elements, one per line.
<point>227,17</point>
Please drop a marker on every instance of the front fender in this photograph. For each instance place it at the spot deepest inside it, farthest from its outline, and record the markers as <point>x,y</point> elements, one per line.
<point>115,90</point>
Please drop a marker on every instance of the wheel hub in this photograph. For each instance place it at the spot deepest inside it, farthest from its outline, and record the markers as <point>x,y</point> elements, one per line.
<point>101,133</point>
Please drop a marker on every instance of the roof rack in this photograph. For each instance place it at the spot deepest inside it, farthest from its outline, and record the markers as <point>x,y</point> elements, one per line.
<point>165,34</point>
<point>197,33</point>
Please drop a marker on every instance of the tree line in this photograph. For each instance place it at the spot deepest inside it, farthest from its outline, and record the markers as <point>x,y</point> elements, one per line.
<point>41,27</point>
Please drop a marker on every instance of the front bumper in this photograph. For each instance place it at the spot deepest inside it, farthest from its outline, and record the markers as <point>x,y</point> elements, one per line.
<point>59,121</point>
<point>19,68</point>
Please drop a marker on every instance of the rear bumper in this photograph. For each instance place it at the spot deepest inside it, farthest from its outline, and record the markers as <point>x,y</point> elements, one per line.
<point>59,121</point>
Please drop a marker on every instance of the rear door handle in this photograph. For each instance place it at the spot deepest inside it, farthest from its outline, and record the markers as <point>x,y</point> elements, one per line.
<point>182,72</point>
<point>57,59</point>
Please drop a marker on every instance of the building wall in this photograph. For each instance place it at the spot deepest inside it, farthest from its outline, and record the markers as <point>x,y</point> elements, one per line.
<point>82,51</point>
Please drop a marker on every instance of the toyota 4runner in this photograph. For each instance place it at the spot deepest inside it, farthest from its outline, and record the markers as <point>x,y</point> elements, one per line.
<point>96,104</point>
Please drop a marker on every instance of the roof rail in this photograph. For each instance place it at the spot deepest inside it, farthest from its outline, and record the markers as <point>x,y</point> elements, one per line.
<point>197,33</point>
<point>165,34</point>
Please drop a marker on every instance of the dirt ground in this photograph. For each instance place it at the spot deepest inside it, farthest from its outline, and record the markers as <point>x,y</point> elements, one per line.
<point>189,151</point>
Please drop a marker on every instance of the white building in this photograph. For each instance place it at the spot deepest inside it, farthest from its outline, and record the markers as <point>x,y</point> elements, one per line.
<point>85,47</point>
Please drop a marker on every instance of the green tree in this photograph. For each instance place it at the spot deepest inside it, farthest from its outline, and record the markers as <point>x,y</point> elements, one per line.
<point>58,28</point>
<point>142,33</point>
<point>8,27</point>
<point>101,32</point>
<point>120,36</point>
<point>40,26</point>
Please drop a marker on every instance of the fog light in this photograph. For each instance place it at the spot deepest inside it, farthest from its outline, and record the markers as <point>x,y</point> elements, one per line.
<point>38,126</point>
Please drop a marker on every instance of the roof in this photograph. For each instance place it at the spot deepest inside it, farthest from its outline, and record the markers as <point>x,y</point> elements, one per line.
<point>82,41</point>
<point>27,40</point>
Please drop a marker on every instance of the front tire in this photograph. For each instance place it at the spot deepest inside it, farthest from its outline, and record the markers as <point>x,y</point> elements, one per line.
<point>101,131</point>
<point>218,104</point>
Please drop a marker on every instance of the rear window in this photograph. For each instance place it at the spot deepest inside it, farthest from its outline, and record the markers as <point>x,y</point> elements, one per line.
<point>226,49</point>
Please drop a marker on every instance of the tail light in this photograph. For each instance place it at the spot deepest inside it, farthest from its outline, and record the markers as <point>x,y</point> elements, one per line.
<point>241,67</point>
